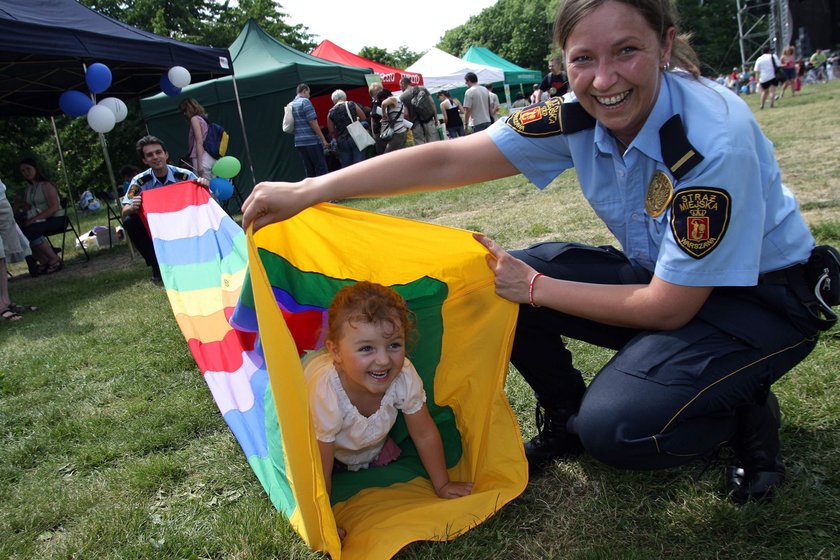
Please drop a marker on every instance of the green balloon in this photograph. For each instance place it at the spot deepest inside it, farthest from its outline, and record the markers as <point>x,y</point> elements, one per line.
<point>227,167</point>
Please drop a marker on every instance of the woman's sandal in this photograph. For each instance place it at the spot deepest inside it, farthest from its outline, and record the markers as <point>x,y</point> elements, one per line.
<point>9,315</point>
<point>17,308</point>
<point>52,268</point>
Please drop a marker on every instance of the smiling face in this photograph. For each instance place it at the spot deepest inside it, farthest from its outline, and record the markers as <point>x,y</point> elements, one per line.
<point>156,157</point>
<point>614,62</point>
<point>368,356</point>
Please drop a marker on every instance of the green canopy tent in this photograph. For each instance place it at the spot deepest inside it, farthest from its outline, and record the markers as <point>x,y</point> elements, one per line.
<point>515,75</point>
<point>267,75</point>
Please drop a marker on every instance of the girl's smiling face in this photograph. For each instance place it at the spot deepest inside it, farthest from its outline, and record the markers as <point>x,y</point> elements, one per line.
<point>368,356</point>
<point>614,62</point>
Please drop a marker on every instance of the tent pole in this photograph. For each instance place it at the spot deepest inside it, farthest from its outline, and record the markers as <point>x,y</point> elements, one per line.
<point>104,144</point>
<point>244,134</point>
<point>64,172</point>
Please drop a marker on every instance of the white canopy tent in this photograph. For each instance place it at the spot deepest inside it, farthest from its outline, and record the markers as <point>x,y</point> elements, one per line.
<point>441,70</point>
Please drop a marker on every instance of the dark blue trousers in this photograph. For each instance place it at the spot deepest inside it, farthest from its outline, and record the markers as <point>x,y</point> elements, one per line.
<point>666,397</point>
<point>314,162</point>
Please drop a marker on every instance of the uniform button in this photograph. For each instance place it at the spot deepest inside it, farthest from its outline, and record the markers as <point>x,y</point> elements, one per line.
<point>620,173</point>
<point>635,216</point>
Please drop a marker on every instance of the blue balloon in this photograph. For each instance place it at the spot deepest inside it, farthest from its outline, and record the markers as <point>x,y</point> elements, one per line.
<point>221,188</point>
<point>167,87</point>
<point>75,103</point>
<point>98,77</point>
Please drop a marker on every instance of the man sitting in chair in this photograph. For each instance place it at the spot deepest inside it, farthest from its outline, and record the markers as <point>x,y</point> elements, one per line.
<point>153,153</point>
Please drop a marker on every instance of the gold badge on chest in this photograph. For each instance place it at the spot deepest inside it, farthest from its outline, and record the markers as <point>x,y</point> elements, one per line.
<point>659,193</point>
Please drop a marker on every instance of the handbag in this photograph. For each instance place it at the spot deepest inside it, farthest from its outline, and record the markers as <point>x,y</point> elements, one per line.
<point>288,119</point>
<point>387,133</point>
<point>357,132</point>
<point>777,72</point>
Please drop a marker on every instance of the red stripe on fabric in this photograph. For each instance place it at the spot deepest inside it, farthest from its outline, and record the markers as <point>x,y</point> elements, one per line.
<point>305,327</point>
<point>174,197</point>
<point>222,355</point>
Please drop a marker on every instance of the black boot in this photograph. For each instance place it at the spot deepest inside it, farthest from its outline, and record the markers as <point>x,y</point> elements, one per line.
<point>552,440</point>
<point>758,468</point>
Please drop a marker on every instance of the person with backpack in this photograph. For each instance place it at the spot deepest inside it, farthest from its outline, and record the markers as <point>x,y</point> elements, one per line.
<point>201,161</point>
<point>420,110</point>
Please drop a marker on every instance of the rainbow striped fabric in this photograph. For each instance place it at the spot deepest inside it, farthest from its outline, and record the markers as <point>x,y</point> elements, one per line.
<point>248,331</point>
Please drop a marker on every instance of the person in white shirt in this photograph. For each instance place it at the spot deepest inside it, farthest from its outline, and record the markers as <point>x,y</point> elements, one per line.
<point>765,67</point>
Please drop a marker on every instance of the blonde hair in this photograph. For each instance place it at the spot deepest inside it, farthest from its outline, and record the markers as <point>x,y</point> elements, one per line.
<point>660,16</point>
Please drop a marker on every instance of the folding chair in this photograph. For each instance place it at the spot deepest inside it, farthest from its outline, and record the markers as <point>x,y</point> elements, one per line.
<point>63,229</point>
<point>114,215</point>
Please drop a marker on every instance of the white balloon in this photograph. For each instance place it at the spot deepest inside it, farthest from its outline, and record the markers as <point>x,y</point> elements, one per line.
<point>101,118</point>
<point>179,76</point>
<point>116,106</point>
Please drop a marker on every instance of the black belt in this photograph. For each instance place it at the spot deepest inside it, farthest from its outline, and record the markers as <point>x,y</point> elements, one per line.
<point>785,276</point>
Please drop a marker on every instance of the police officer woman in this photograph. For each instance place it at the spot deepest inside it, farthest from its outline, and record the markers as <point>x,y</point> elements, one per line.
<point>706,301</point>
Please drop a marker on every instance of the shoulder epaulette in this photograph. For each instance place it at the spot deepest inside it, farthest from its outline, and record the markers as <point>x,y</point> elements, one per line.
<point>180,175</point>
<point>551,117</point>
<point>677,152</point>
<point>144,178</point>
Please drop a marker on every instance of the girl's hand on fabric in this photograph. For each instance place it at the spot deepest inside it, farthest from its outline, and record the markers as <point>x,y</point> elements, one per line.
<point>271,202</point>
<point>512,275</point>
<point>454,489</point>
<point>204,182</point>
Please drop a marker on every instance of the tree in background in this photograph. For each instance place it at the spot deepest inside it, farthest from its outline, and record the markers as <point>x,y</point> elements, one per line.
<point>205,22</point>
<point>714,26</point>
<point>518,30</point>
<point>401,58</point>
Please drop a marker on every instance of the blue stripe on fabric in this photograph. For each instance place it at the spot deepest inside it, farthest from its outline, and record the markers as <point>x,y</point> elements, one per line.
<point>249,427</point>
<point>288,302</point>
<point>209,246</point>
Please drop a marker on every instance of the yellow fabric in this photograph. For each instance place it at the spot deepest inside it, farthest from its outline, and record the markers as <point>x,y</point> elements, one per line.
<point>478,333</point>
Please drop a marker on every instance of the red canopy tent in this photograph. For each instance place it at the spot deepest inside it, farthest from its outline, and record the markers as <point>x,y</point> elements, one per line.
<point>390,75</point>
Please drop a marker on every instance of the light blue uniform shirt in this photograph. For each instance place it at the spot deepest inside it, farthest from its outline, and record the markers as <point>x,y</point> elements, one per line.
<point>765,230</point>
<point>148,180</point>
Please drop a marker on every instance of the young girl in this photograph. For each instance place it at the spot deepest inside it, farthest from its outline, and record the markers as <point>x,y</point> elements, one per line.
<point>201,161</point>
<point>357,387</point>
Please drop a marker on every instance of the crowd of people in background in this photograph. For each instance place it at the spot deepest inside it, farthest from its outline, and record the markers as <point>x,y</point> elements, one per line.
<point>793,72</point>
<point>392,120</point>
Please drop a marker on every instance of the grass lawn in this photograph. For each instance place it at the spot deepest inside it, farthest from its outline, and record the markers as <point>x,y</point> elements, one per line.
<point>112,446</point>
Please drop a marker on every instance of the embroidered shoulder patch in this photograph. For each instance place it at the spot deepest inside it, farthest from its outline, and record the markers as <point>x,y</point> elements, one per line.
<point>699,219</point>
<point>542,119</point>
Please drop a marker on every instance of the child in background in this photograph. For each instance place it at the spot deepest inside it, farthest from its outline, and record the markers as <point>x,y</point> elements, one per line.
<point>357,387</point>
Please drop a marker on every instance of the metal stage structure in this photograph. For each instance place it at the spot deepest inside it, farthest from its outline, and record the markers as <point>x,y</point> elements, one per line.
<point>763,23</point>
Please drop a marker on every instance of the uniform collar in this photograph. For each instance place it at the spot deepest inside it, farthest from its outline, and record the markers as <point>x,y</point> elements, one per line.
<point>170,178</point>
<point>647,140</point>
